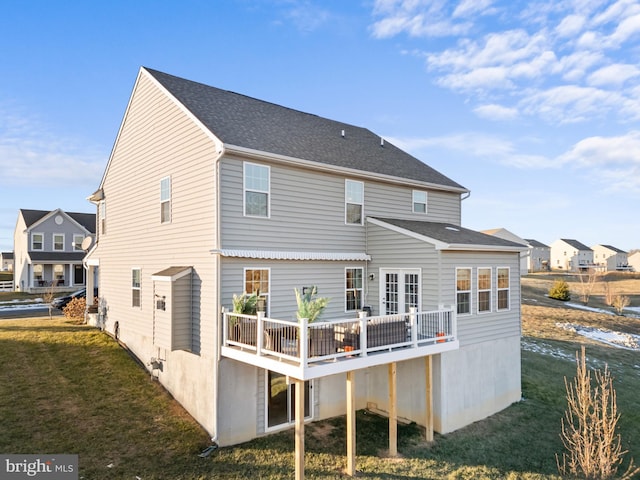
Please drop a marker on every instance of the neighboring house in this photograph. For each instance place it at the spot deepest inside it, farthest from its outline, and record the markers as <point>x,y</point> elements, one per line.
<point>634,261</point>
<point>6,261</point>
<point>512,237</point>
<point>47,248</point>
<point>610,259</point>
<point>209,193</point>
<point>539,258</point>
<point>571,255</point>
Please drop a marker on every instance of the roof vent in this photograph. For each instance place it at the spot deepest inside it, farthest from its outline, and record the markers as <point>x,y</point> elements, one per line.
<point>342,133</point>
<point>381,142</point>
<point>453,229</point>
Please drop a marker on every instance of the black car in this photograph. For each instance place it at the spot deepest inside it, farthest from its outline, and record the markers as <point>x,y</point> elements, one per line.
<point>61,302</point>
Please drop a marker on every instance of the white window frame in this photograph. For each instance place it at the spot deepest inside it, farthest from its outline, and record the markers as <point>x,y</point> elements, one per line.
<point>359,292</point>
<point>348,200</point>
<point>267,295</point>
<point>290,406</point>
<point>165,199</point>
<point>33,248</point>
<point>246,189</point>
<point>484,290</point>
<point>77,242</point>
<point>53,242</point>
<point>58,273</point>
<point>137,288</point>
<point>419,201</point>
<point>502,289</point>
<point>469,291</point>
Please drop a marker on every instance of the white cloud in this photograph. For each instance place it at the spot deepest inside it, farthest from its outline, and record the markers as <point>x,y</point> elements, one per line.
<point>564,62</point>
<point>30,154</point>
<point>570,103</point>
<point>467,8</point>
<point>613,75</point>
<point>496,112</point>
<point>601,151</point>
<point>570,25</point>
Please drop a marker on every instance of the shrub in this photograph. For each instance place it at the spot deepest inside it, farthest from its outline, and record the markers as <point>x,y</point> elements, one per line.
<point>589,427</point>
<point>560,291</point>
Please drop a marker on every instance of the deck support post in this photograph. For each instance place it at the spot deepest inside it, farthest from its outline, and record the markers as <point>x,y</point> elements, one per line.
<point>428,424</point>
<point>351,423</point>
<point>393,411</point>
<point>299,412</point>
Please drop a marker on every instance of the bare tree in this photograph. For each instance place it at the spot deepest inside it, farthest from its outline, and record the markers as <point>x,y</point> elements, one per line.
<point>609,292</point>
<point>587,286</point>
<point>49,295</point>
<point>589,427</point>
<point>620,302</point>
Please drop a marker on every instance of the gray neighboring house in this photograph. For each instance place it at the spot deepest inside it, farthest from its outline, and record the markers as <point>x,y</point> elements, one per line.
<point>6,261</point>
<point>233,194</point>
<point>539,258</point>
<point>47,246</point>
<point>571,255</point>
<point>610,258</point>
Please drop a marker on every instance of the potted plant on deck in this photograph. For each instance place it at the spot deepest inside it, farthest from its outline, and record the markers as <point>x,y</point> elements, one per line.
<point>243,329</point>
<point>322,341</point>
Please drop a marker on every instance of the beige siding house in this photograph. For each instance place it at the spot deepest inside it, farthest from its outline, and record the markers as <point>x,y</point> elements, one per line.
<point>210,194</point>
<point>610,259</point>
<point>571,255</point>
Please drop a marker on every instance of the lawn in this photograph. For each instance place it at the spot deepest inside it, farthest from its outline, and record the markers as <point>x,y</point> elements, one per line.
<point>69,388</point>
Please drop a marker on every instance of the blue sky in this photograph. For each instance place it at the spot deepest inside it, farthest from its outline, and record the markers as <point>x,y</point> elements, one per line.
<point>533,106</point>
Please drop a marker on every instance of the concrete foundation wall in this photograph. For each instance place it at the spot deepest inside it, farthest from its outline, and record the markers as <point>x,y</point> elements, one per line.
<point>475,382</point>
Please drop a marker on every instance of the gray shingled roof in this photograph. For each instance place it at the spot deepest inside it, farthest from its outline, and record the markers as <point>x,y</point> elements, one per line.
<point>613,249</point>
<point>246,122</point>
<point>451,234</point>
<point>57,256</point>
<point>575,244</point>
<point>536,243</point>
<point>87,220</point>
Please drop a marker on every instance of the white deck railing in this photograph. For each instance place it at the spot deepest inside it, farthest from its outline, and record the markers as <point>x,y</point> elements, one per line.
<point>350,343</point>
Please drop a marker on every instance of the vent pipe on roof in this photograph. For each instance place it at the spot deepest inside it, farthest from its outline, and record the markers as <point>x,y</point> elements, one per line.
<point>342,133</point>
<point>381,142</point>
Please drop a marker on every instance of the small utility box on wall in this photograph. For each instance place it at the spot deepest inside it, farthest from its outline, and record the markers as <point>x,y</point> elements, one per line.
<point>172,317</point>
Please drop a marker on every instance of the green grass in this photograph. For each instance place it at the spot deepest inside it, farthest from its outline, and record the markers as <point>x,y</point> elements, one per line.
<point>68,388</point>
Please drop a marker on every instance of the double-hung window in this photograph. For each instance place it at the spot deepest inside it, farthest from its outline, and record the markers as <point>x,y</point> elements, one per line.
<point>419,201</point>
<point>58,242</point>
<point>37,241</point>
<point>503,288</point>
<point>165,200</point>
<point>135,287</point>
<point>354,202</point>
<point>484,290</point>
<point>257,281</point>
<point>77,242</point>
<point>256,187</point>
<point>353,289</point>
<point>463,291</point>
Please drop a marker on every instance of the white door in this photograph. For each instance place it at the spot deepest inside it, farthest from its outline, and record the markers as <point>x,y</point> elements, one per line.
<point>400,290</point>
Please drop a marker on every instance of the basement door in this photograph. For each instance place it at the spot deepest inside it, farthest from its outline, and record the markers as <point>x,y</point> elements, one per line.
<point>400,290</point>
<point>281,400</point>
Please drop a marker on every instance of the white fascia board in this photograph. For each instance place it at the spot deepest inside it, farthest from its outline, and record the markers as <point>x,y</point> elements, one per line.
<point>286,160</point>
